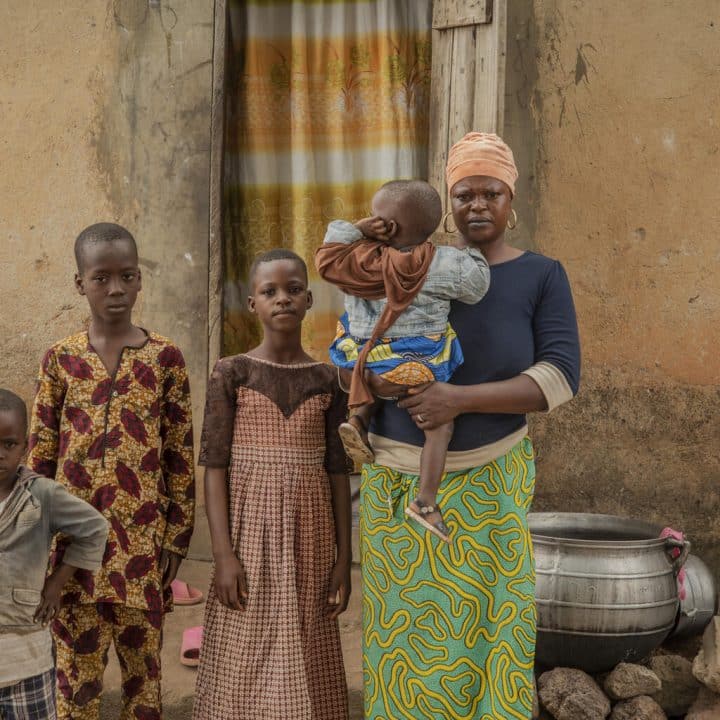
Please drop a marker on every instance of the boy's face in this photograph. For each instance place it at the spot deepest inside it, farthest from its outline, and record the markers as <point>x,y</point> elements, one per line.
<point>398,213</point>
<point>12,446</point>
<point>280,296</point>
<point>110,279</point>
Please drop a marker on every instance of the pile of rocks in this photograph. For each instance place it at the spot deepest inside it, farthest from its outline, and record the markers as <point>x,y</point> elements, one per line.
<point>663,687</point>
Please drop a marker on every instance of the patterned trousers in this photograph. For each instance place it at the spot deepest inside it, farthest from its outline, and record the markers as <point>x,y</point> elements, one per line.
<point>83,634</point>
<point>30,699</point>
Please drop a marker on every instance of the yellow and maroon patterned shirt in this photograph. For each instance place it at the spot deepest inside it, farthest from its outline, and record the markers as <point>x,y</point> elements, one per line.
<point>123,443</point>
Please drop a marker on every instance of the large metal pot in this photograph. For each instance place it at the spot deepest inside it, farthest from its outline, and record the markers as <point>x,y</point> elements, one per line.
<point>606,588</point>
<point>700,603</point>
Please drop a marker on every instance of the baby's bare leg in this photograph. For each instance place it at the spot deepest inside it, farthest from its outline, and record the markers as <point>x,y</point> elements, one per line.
<point>432,461</point>
<point>345,378</point>
<point>354,434</point>
<point>382,388</point>
<point>379,387</point>
<point>432,466</point>
<point>361,417</point>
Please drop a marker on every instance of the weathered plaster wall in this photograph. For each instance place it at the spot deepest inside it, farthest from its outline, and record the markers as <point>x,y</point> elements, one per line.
<point>614,109</point>
<point>52,64</point>
<point>106,116</point>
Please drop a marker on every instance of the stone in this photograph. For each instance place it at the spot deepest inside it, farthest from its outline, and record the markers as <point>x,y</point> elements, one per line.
<point>706,666</point>
<point>705,707</point>
<point>642,707</point>
<point>628,680</point>
<point>679,686</point>
<point>571,694</point>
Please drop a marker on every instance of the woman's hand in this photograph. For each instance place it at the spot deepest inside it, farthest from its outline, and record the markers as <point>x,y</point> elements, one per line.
<point>433,404</point>
<point>230,581</point>
<point>339,590</point>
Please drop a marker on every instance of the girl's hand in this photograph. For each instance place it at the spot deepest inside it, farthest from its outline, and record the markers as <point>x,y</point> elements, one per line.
<point>339,590</point>
<point>432,404</point>
<point>230,581</point>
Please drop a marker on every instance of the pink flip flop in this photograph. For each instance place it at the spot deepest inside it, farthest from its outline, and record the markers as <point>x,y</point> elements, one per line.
<point>190,647</point>
<point>184,594</point>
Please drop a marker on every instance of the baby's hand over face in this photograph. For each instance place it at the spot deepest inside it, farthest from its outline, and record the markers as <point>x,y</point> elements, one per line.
<point>376,228</point>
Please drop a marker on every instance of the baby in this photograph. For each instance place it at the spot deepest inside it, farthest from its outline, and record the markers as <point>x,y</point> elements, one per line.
<point>398,287</point>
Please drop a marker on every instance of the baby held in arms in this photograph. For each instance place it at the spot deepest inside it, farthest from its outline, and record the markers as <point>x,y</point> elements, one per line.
<point>395,333</point>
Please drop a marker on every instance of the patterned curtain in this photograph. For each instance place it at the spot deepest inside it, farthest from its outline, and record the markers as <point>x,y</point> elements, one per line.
<point>326,100</point>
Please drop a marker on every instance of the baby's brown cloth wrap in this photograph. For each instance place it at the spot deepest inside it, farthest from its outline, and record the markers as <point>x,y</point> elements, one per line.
<point>372,270</point>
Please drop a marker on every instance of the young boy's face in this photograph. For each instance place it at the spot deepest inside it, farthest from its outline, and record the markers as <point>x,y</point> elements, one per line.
<point>110,279</point>
<point>280,296</point>
<point>12,447</point>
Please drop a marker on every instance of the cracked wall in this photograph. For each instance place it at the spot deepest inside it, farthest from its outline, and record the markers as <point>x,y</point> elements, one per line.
<point>614,108</point>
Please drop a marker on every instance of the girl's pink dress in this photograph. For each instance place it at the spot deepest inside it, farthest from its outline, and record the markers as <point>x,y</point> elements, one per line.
<point>275,428</point>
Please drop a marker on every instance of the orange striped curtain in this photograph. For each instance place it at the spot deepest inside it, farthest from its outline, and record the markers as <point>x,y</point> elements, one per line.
<point>326,100</point>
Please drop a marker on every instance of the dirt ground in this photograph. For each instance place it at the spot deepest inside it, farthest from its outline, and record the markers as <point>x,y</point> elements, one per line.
<point>179,681</point>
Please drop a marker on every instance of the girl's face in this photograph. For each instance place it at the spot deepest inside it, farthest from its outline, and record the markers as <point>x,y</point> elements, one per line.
<point>280,296</point>
<point>480,206</point>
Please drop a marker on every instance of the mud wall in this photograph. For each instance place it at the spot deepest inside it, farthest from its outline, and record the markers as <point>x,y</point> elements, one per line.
<point>613,108</point>
<point>106,116</point>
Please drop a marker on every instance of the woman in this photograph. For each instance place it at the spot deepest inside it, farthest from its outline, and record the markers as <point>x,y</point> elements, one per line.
<point>449,630</point>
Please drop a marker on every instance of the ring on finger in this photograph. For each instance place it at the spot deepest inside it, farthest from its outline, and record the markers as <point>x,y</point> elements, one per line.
<point>420,418</point>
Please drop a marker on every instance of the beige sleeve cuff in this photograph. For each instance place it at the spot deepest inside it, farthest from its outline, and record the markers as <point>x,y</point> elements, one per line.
<point>552,383</point>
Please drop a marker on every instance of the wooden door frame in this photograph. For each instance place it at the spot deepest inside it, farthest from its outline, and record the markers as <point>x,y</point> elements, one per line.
<point>217,146</point>
<point>467,85</point>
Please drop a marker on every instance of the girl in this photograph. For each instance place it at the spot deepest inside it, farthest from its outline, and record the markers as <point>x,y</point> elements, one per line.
<point>278,506</point>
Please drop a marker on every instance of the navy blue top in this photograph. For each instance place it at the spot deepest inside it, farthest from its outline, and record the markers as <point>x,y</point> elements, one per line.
<point>526,316</point>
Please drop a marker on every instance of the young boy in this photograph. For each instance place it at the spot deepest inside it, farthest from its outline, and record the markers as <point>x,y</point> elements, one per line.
<point>32,510</point>
<point>112,422</point>
<point>398,287</point>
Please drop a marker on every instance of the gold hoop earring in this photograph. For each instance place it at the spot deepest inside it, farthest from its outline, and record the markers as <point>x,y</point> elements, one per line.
<point>444,223</point>
<point>514,225</point>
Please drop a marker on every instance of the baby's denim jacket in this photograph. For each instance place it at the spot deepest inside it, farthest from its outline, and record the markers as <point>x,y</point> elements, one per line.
<point>454,274</point>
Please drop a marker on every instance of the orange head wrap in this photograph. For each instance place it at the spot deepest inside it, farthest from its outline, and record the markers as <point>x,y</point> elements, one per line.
<point>481,153</point>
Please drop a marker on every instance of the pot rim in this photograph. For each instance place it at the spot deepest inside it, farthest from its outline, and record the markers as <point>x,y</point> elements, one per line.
<point>597,522</point>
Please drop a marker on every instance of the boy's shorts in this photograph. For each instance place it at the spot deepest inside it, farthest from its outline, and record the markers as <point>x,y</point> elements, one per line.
<point>405,361</point>
<point>30,699</point>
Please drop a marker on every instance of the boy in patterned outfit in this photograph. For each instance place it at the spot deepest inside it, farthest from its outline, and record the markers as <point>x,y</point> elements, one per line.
<point>112,422</point>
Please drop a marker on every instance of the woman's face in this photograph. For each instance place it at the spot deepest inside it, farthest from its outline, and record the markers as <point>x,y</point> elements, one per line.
<point>480,207</point>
